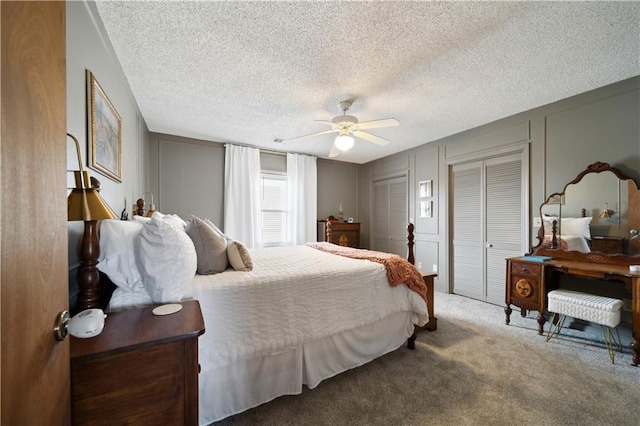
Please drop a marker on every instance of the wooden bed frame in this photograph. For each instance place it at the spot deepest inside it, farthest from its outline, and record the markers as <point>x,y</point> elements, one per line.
<point>104,287</point>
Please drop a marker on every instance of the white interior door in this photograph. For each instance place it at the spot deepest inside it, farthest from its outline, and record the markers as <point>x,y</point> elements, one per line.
<point>467,230</point>
<point>488,206</point>
<point>390,215</point>
<point>504,221</point>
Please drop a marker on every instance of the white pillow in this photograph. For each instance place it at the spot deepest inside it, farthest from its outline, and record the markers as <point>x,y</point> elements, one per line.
<point>173,219</point>
<point>576,226</point>
<point>166,259</point>
<point>141,219</point>
<point>210,244</point>
<point>125,299</point>
<point>239,257</point>
<point>117,256</point>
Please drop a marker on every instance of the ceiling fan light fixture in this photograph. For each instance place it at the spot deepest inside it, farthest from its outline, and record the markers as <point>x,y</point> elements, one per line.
<point>344,142</point>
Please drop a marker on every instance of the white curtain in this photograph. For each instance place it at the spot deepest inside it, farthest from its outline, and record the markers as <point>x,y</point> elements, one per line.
<point>302,181</point>
<point>242,209</point>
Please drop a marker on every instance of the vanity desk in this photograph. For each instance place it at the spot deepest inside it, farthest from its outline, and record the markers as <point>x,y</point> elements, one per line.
<point>530,281</point>
<point>563,252</point>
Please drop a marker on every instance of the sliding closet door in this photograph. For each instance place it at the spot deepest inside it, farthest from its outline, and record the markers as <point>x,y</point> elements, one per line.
<point>487,224</point>
<point>390,215</point>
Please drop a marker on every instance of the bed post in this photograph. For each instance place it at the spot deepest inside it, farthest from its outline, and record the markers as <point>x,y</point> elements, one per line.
<point>410,256</point>
<point>428,277</point>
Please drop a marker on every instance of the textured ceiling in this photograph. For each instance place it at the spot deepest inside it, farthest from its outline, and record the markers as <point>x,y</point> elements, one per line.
<point>250,72</point>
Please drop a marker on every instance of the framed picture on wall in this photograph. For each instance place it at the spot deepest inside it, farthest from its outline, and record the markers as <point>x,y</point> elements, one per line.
<point>426,208</point>
<point>425,188</point>
<point>105,132</point>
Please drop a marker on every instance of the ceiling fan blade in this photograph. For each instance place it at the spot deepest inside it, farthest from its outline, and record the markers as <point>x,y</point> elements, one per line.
<point>384,122</point>
<point>334,151</point>
<point>324,132</point>
<point>330,123</point>
<point>370,138</point>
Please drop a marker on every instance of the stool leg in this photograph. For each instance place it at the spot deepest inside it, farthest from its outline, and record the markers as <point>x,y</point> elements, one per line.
<point>608,341</point>
<point>619,341</point>
<point>555,327</point>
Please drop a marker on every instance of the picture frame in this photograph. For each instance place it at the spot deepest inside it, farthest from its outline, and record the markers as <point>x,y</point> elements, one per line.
<point>105,131</point>
<point>426,208</point>
<point>425,188</point>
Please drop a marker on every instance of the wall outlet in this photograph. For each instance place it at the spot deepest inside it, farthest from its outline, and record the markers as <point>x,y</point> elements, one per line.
<point>434,268</point>
<point>537,222</point>
<point>419,265</point>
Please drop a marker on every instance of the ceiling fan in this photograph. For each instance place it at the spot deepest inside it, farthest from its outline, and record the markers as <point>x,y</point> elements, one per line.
<point>347,126</point>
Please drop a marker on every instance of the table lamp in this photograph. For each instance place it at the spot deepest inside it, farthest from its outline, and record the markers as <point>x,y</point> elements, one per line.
<point>85,203</point>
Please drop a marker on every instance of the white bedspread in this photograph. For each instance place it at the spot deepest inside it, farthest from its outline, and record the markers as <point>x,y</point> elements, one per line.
<point>293,296</point>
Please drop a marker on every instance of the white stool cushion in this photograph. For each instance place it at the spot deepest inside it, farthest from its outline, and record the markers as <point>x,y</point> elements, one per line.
<point>587,307</point>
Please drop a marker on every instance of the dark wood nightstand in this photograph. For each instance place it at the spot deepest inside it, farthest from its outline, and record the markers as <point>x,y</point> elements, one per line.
<point>142,369</point>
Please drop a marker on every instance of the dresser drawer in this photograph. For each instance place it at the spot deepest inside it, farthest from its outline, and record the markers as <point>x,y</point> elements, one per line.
<point>525,269</point>
<point>344,234</point>
<point>524,281</point>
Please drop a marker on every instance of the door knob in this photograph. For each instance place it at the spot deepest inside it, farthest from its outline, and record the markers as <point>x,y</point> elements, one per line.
<point>61,326</point>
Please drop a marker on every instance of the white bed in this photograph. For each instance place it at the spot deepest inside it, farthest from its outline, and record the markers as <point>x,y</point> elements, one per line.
<point>298,317</point>
<point>573,233</point>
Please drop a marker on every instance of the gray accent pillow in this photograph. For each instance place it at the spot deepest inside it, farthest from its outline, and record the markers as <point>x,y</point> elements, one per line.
<point>211,246</point>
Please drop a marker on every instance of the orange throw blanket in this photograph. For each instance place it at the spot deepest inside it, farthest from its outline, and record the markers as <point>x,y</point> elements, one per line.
<point>399,270</point>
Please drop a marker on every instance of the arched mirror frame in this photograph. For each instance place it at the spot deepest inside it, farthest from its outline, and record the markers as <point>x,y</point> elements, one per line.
<point>594,256</point>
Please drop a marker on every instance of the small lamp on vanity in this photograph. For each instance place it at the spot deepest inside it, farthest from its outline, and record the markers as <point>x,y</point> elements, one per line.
<point>84,203</point>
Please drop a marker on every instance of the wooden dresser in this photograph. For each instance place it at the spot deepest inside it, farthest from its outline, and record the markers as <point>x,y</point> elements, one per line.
<point>141,370</point>
<point>609,245</point>
<point>341,233</point>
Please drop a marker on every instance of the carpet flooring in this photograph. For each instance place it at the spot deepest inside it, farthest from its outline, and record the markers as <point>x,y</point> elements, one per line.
<point>474,370</point>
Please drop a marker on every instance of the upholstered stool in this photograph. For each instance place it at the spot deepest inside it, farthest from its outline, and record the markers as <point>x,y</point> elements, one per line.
<point>588,307</point>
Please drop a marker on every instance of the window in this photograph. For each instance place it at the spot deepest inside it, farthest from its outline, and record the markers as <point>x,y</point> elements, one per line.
<point>274,209</point>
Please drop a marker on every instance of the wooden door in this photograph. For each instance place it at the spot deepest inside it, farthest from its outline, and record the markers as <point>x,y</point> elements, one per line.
<point>33,236</point>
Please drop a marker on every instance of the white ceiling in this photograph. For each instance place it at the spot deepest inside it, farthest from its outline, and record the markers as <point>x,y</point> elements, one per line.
<point>249,72</point>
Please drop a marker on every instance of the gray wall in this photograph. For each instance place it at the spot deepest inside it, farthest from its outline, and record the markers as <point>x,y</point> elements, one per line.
<point>561,140</point>
<point>187,178</point>
<point>88,48</point>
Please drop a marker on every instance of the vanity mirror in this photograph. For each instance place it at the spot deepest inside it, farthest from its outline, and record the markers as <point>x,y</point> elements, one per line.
<point>592,219</point>
<point>588,232</point>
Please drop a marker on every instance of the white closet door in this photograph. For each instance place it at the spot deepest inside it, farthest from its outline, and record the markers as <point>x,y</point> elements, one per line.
<point>467,230</point>
<point>504,221</point>
<point>390,215</point>
<point>487,204</point>
<point>398,220</point>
